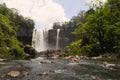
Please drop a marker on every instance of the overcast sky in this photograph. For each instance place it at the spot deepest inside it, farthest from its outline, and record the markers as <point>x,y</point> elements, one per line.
<point>46,12</point>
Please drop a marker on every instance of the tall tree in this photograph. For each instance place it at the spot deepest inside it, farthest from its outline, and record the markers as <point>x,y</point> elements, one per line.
<point>101,31</point>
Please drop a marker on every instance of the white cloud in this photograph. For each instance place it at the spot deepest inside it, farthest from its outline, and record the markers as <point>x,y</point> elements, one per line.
<point>43,12</point>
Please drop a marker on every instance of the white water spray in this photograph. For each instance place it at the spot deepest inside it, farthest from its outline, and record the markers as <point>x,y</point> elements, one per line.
<point>57,39</point>
<point>40,38</point>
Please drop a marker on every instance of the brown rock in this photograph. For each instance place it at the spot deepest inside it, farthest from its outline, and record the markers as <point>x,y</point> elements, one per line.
<point>13,74</point>
<point>109,65</point>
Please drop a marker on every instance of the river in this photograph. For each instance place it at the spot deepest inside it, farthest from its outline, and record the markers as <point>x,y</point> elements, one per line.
<point>60,69</point>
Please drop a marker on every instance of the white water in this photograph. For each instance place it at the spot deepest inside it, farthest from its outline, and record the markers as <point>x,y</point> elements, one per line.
<point>39,40</point>
<point>57,39</point>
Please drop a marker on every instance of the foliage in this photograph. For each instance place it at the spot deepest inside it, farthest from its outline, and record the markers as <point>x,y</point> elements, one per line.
<point>4,53</point>
<point>10,24</point>
<point>100,33</point>
<point>75,47</point>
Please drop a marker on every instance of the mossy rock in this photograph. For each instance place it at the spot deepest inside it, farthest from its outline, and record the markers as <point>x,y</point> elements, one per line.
<point>30,50</point>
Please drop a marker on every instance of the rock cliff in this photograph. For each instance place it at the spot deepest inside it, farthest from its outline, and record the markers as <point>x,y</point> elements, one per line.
<point>25,35</point>
<point>65,37</point>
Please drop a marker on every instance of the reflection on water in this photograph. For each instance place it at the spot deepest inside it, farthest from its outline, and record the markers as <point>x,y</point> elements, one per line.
<point>60,69</point>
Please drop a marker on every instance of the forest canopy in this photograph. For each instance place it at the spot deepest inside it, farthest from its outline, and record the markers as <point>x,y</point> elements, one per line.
<point>97,29</point>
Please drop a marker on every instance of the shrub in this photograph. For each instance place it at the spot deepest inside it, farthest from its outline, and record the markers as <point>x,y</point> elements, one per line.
<point>75,48</point>
<point>17,52</point>
<point>4,53</point>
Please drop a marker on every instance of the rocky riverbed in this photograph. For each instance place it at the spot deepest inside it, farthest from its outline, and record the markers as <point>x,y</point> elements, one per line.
<point>43,68</point>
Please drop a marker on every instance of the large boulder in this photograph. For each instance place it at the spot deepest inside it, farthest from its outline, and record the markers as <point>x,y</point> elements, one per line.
<point>30,51</point>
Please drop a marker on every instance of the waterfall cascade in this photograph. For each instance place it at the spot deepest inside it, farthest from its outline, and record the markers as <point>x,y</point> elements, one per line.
<point>39,40</point>
<point>57,39</point>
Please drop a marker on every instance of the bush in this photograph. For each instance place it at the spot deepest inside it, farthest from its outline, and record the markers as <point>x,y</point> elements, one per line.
<point>75,48</point>
<point>17,52</point>
<point>4,53</point>
<point>112,55</point>
<point>91,50</point>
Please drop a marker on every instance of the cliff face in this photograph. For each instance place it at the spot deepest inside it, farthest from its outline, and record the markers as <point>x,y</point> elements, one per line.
<point>25,35</point>
<point>65,37</point>
<point>52,34</point>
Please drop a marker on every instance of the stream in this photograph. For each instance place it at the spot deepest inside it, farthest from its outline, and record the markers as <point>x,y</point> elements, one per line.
<point>60,69</point>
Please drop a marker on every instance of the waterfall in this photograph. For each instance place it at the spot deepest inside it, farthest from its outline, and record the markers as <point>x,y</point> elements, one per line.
<point>40,38</point>
<point>57,39</point>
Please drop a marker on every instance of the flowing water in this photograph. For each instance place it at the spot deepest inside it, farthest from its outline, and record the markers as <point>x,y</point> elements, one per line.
<point>39,40</point>
<point>61,69</point>
<point>57,39</point>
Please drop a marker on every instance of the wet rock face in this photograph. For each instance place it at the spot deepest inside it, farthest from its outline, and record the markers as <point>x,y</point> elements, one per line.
<point>52,34</point>
<point>65,37</point>
<point>25,32</point>
<point>25,39</point>
<point>25,35</point>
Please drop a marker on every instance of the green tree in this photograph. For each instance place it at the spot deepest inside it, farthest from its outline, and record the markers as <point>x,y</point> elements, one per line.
<point>10,24</point>
<point>101,31</point>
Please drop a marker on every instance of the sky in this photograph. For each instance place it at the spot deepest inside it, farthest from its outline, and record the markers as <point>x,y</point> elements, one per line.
<point>72,7</point>
<point>46,12</point>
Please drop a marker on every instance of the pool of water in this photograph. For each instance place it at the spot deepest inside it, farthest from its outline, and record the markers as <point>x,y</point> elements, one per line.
<point>61,69</point>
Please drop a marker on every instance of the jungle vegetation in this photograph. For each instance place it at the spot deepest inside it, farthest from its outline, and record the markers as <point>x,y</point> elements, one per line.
<point>10,22</point>
<point>97,30</point>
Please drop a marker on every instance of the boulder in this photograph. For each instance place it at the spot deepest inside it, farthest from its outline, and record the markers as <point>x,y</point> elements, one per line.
<point>13,74</point>
<point>30,50</point>
<point>108,65</point>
